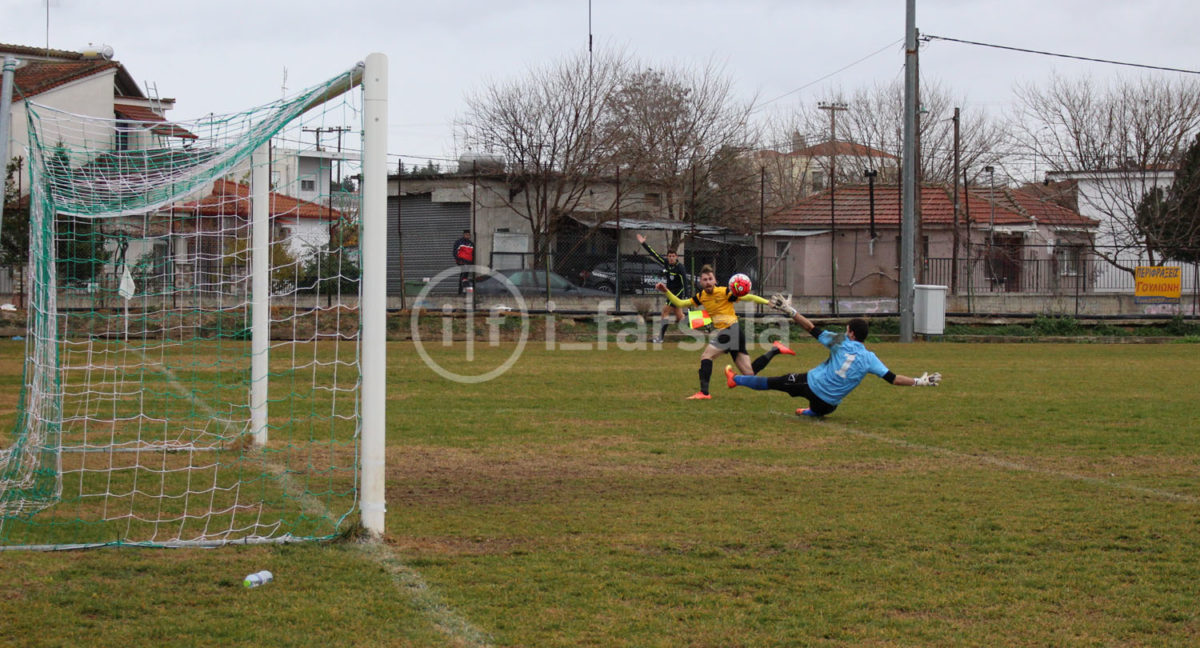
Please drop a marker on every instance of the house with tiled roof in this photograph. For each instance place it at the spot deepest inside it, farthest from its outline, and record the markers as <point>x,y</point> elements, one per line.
<point>804,169</point>
<point>994,240</point>
<point>88,83</point>
<point>92,84</point>
<point>222,217</point>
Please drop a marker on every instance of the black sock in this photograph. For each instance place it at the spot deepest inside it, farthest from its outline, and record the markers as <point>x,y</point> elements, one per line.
<point>663,332</point>
<point>761,361</point>
<point>705,375</point>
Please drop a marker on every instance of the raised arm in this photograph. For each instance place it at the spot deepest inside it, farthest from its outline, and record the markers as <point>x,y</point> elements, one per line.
<point>657,257</point>
<point>675,301</point>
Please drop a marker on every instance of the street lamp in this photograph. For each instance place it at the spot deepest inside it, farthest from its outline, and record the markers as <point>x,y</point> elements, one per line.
<point>870,175</point>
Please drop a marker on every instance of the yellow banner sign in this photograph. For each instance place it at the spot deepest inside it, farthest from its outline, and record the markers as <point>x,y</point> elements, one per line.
<point>1157,285</point>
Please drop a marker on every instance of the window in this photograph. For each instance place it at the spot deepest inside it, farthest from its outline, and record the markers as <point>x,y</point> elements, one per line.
<point>781,248</point>
<point>654,199</point>
<point>308,185</point>
<point>1069,258</point>
<point>818,180</point>
<point>122,136</point>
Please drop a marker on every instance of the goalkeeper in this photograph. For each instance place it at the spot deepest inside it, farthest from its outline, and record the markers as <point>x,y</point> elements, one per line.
<point>727,335</point>
<point>829,382</point>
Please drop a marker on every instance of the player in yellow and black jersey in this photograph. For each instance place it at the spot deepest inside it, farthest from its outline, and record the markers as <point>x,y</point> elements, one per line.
<point>727,335</point>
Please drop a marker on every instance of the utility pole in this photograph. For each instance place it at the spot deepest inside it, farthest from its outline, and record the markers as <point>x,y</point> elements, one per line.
<point>833,108</point>
<point>6,88</point>
<point>318,130</point>
<point>909,161</point>
<point>762,230</point>
<point>954,249</point>
<point>991,255</point>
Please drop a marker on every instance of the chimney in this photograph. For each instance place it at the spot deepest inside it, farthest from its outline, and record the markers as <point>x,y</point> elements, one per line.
<point>798,141</point>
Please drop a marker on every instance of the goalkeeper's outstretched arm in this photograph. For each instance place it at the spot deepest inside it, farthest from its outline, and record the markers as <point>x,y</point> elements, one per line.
<point>924,380</point>
<point>784,305</point>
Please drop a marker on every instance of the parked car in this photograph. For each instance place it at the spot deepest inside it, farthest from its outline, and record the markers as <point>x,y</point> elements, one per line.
<point>532,283</point>
<point>637,276</point>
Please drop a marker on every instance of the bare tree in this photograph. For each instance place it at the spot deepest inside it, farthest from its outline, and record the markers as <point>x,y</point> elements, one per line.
<point>674,129</point>
<point>1124,139</point>
<point>546,126</point>
<point>874,118</point>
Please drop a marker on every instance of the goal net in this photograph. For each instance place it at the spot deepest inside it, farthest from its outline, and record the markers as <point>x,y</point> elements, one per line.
<point>193,370</point>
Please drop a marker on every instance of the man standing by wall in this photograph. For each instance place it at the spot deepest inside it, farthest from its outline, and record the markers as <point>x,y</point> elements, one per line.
<point>464,255</point>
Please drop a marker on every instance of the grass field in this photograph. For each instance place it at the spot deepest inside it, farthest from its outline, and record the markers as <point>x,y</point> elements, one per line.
<point>1045,495</point>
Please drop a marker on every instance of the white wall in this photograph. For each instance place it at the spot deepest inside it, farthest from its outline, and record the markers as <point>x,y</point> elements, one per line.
<point>91,97</point>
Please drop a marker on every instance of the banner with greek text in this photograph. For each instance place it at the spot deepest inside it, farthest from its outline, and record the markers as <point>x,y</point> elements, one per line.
<point>1157,285</point>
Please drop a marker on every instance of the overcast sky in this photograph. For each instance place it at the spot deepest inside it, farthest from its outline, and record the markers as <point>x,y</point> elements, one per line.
<point>228,55</point>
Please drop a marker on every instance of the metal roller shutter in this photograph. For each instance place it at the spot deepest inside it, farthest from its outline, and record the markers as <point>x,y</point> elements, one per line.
<point>426,232</point>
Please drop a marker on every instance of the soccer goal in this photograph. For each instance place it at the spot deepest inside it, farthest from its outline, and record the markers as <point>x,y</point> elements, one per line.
<point>205,343</point>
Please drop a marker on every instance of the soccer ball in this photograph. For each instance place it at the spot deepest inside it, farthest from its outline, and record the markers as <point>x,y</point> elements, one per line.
<point>739,284</point>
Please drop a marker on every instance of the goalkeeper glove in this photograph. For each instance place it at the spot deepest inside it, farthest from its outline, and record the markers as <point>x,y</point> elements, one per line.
<point>928,380</point>
<point>782,304</point>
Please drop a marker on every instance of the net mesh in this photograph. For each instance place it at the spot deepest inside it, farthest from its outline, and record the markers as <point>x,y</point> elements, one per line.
<point>135,418</point>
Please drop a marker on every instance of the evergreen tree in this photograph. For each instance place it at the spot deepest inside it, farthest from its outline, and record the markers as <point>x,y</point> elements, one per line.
<point>1170,220</point>
<point>14,234</point>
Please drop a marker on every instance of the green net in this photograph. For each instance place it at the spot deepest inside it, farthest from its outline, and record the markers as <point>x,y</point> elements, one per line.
<point>136,423</point>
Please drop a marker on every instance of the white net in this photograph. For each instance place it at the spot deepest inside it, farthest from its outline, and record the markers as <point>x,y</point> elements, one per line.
<point>137,423</point>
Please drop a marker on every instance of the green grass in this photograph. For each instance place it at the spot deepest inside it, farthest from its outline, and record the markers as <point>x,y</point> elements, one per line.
<point>1045,495</point>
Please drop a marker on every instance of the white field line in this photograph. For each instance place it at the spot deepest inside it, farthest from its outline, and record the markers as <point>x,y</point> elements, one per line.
<point>1009,465</point>
<point>426,599</point>
<point>406,579</point>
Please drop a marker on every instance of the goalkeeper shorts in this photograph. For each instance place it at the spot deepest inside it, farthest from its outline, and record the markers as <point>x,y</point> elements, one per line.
<point>796,385</point>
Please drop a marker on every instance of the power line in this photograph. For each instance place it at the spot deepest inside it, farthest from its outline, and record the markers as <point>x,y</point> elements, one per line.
<point>928,37</point>
<point>834,73</point>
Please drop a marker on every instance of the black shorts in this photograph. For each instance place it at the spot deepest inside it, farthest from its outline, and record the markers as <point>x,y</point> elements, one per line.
<point>796,384</point>
<point>729,339</point>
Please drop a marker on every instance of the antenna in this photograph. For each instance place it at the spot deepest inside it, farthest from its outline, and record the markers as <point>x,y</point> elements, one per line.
<point>283,84</point>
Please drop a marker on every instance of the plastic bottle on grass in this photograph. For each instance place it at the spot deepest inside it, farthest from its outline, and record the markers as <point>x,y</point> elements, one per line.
<point>258,578</point>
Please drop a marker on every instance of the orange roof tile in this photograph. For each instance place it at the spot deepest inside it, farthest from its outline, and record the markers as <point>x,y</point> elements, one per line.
<point>852,208</point>
<point>230,198</point>
<point>144,115</point>
<point>838,147</point>
<point>36,77</point>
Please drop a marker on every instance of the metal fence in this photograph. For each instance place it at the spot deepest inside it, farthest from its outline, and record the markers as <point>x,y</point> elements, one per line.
<point>1043,270</point>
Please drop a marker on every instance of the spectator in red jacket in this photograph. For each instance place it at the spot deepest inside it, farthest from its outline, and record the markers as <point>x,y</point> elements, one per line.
<point>464,255</point>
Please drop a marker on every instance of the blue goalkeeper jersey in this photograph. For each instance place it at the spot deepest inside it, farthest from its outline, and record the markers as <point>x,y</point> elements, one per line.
<point>848,363</point>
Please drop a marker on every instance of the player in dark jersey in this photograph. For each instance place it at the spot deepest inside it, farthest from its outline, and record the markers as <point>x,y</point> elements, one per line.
<point>676,276</point>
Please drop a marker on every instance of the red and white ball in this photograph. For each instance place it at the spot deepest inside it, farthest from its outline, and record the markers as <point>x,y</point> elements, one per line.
<point>739,284</point>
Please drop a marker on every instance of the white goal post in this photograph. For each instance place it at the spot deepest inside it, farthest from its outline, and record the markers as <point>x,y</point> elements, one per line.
<point>205,351</point>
